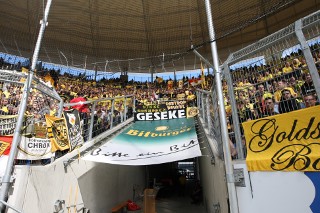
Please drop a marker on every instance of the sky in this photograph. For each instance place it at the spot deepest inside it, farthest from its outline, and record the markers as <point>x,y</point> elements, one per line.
<point>142,77</point>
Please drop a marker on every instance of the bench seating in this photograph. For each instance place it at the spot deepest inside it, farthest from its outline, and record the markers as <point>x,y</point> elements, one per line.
<point>120,207</point>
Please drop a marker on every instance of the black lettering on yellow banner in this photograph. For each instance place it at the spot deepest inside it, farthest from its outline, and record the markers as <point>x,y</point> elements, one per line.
<point>286,142</point>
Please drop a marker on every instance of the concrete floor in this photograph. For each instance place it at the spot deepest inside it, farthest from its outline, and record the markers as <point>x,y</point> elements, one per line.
<point>178,205</point>
<point>172,203</point>
<point>175,205</point>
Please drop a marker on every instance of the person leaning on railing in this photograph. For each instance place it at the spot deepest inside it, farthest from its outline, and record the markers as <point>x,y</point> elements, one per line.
<point>288,103</point>
<point>308,86</point>
<point>281,85</point>
<point>269,108</point>
<point>83,111</point>
<point>310,100</point>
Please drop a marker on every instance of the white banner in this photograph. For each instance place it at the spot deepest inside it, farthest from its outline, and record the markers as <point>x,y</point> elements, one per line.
<point>34,149</point>
<point>150,142</point>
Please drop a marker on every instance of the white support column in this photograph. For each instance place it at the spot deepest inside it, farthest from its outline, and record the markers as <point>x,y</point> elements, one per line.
<point>308,56</point>
<point>222,115</point>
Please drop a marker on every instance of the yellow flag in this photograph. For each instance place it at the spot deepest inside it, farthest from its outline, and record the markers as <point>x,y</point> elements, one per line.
<point>170,85</point>
<point>57,133</point>
<point>48,78</point>
<point>203,79</point>
<point>25,70</point>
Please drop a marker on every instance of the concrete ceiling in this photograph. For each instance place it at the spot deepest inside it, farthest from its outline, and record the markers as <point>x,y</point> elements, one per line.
<point>135,35</point>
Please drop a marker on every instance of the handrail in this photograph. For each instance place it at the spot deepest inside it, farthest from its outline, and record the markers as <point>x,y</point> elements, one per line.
<point>11,207</point>
<point>97,100</point>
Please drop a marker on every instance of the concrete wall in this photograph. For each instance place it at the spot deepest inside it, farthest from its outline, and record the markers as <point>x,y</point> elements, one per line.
<point>213,179</point>
<point>94,186</point>
<point>278,192</point>
<point>38,188</point>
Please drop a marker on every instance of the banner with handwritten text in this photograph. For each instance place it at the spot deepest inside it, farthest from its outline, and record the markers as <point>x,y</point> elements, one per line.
<point>150,142</point>
<point>286,142</point>
<point>72,120</point>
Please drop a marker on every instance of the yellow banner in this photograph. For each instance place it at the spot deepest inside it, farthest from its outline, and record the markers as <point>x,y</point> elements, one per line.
<point>286,142</point>
<point>57,133</point>
<point>48,78</point>
<point>3,146</point>
<point>180,84</point>
<point>25,70</point>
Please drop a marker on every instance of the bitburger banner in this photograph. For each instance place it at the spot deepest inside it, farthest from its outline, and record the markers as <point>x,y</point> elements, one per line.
<point>72,119</point>
<point>34,149</point>
<point>57,133</point>
<point>150,142</point>
<point>286,142</point>
<point>166,111</point>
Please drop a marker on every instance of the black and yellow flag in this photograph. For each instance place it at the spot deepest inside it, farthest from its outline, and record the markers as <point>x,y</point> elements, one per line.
<point>57,133</point>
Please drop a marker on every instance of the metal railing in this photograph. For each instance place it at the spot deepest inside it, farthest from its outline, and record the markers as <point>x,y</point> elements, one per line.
<point>286,80</point>
<point>104,114</point>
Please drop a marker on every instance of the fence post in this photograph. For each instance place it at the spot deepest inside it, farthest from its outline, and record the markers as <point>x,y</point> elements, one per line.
<point>208,114</point>
<point>111,116</point>
<point>134,105</point>
<point>222,115</point>
<point>202,106</point>
<point>308,56</point>
<point>125,109</point>
<point>92,120</point>
<point>234,110</point>
<point>60,108</point>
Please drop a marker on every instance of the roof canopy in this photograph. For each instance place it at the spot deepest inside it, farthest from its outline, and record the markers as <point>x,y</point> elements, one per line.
<point>134,35</point>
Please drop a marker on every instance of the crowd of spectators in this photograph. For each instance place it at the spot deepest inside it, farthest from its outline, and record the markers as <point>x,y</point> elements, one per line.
<point>260,91</point>
<point>271,89</point>
<point>73,89</point>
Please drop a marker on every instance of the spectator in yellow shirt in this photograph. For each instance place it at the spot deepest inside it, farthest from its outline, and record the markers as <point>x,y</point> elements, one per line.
<point>4,105</point>
<point>282,84</point>
<point>287,68</point>
<point>268,76</point>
